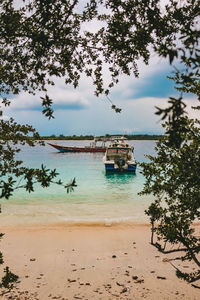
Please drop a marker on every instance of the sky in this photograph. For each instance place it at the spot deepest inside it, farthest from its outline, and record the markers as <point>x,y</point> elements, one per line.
<point>80,112</point>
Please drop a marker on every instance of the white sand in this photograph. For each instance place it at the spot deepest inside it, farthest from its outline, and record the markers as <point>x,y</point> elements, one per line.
<point>63,262</point>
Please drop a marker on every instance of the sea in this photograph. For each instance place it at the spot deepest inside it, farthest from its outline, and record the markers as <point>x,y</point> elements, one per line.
<point>99,198</point>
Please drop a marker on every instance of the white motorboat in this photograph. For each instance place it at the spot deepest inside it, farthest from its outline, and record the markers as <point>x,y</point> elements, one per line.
<point>119,156</point>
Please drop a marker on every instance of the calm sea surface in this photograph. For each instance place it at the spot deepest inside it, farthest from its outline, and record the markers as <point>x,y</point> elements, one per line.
<point>98,199</point>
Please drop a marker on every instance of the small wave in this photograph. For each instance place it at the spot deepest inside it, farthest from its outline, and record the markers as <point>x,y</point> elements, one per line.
<point>101,222</point>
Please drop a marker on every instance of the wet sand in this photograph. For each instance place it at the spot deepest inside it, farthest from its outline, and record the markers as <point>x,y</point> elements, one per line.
<point>83,262</point>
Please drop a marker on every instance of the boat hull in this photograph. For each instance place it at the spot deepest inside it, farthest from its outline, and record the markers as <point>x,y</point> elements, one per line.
<point>77,149</point>
<point>111,168</point>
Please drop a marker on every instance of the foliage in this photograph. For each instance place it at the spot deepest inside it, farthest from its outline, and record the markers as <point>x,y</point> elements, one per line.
<point>1,255</point>
<point>9,279</point>
<point>172,176</point>
<point>42,40</point>
<point>91,137</point>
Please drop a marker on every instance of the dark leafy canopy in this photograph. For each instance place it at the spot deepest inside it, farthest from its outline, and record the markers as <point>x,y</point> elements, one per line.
<point>41,40</point>
<point>173,177</point>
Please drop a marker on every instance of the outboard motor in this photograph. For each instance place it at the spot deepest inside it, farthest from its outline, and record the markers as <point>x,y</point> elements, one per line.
<point>120,162</point>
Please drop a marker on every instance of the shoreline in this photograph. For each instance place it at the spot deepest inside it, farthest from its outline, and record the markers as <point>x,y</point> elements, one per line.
<point>59,261</point>
<point>75,225</point>
<point>81,225</point>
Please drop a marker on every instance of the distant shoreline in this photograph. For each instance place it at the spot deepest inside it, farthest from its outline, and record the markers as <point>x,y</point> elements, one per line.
<point>90,137</point>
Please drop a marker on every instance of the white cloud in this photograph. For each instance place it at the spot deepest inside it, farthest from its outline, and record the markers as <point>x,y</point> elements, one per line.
<point>4,117</point>
<point>143,111</point>
<point>62,96</point>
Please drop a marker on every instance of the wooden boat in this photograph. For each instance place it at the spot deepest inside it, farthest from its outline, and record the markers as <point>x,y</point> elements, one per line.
<point>119,157</point>
<point>93,147</point>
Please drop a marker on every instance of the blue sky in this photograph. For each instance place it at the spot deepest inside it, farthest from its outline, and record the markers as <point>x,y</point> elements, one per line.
<point>78,111</point>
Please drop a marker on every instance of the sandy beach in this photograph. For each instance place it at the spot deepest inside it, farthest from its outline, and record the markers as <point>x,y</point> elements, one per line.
<point>90,262</point>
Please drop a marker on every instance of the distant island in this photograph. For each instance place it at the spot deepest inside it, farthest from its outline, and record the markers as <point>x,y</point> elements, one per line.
<point>91,137</point>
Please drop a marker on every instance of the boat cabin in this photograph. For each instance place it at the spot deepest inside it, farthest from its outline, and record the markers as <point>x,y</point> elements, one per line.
<point>114,152</point>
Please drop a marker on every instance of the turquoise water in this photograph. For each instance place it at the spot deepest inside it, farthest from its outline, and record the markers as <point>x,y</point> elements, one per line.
<point>99,198</point>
